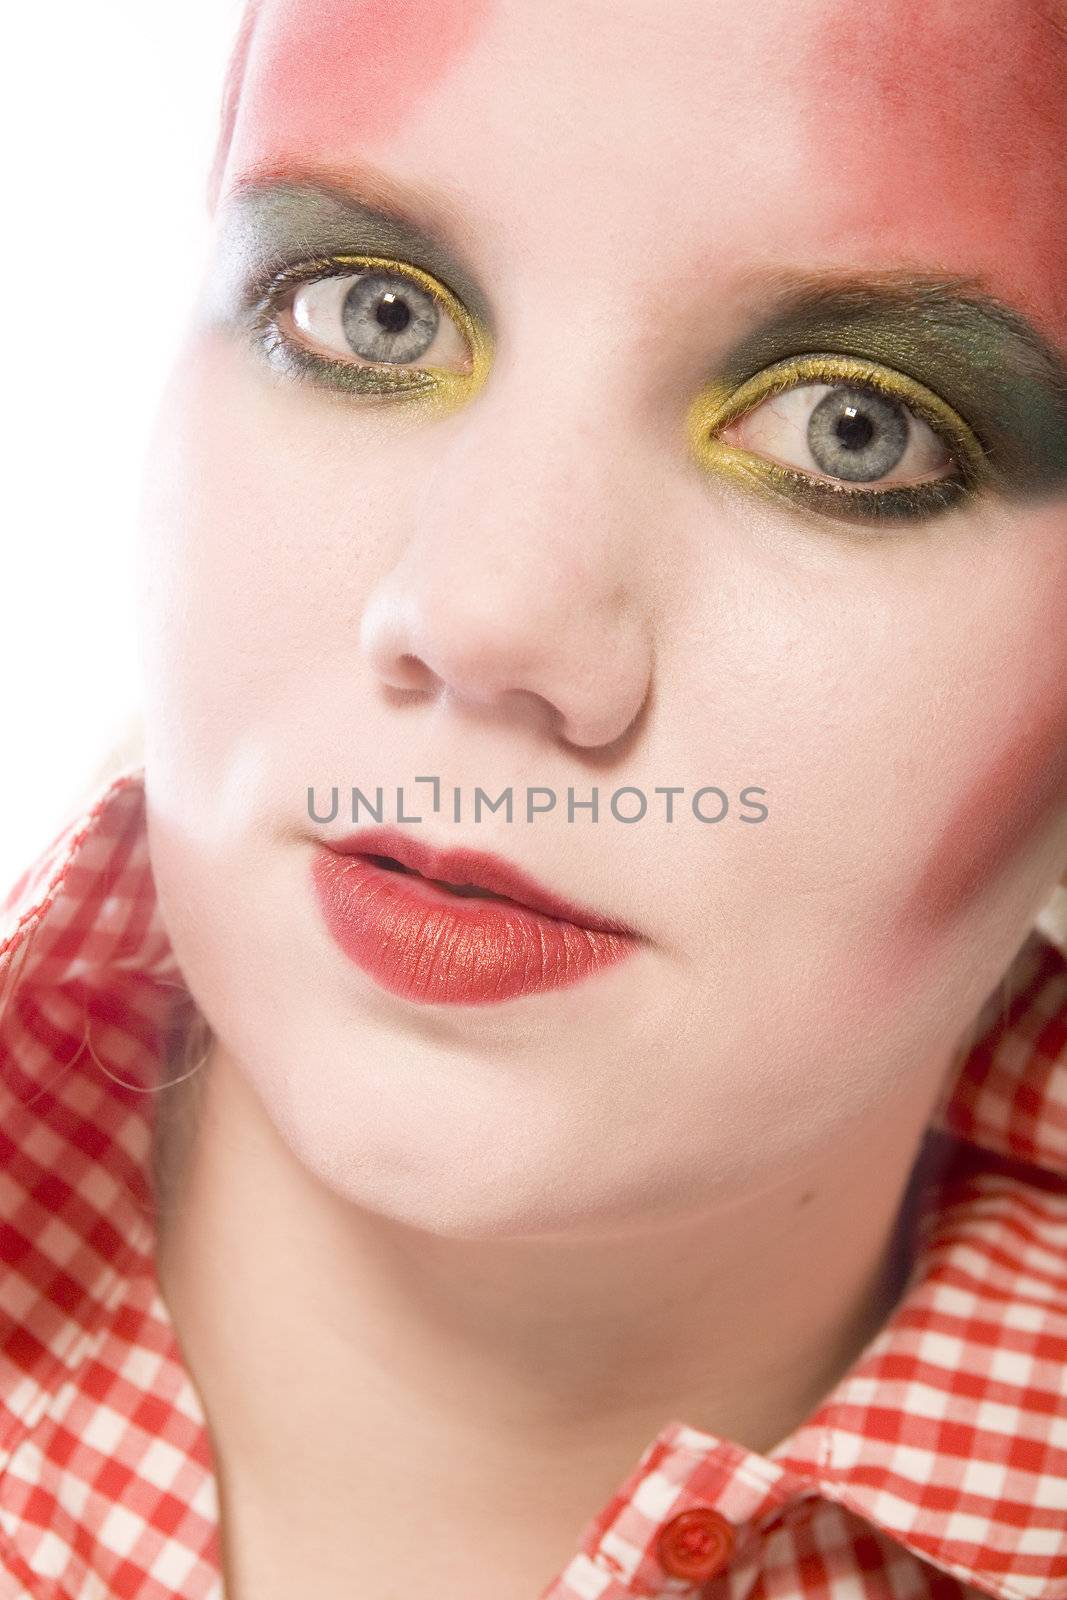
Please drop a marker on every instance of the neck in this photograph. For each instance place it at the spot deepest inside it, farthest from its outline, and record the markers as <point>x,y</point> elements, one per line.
<point>334,1348</point>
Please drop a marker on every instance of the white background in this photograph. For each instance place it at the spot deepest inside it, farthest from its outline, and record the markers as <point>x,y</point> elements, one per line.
<point>109,122</point>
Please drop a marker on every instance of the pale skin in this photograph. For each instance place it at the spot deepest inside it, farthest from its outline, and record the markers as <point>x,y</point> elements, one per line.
<point>441,1274</point>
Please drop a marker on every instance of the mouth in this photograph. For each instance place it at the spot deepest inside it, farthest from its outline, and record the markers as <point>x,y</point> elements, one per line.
<point>466,874</point>
<point>455,927</point>
<point>470,891</point>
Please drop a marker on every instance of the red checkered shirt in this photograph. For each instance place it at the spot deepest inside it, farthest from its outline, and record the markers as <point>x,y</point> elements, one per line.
<point>937,1466</point>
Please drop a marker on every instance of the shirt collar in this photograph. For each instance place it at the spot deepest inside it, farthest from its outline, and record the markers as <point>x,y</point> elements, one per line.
<point>947,1433</point>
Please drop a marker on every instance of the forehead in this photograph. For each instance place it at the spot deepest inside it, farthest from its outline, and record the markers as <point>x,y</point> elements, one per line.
<point>912,132</point>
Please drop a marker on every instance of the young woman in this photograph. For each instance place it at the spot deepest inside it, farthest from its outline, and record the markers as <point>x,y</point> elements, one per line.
<point>551,1078</point>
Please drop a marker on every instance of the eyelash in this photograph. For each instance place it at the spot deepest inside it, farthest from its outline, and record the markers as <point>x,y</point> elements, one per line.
<point>295,360</point>
<point>714,409</point>
<point>721,404</point>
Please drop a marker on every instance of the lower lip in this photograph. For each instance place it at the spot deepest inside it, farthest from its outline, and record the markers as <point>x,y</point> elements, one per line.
<point>427,945</point>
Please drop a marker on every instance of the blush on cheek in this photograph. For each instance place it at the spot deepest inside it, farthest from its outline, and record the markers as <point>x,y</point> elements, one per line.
<point>1018,789</point>
<point>324,76</point>
<point>943,128</point>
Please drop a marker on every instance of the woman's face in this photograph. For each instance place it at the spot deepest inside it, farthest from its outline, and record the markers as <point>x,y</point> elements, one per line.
<point>548,574</point>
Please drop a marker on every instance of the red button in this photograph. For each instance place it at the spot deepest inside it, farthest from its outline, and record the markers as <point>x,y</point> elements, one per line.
<point>695,1544</point>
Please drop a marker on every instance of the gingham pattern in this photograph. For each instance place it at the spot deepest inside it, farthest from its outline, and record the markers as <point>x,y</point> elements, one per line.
<point>937,1467</point>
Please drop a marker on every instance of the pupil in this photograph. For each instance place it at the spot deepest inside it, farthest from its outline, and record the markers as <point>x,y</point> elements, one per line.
<point>392,314</point>
<point>854,430</point>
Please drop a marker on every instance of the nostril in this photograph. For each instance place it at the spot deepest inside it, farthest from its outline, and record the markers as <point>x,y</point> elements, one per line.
<point>412,673</point>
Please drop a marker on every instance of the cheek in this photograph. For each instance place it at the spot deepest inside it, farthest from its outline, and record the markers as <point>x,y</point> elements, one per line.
<point>1008,725</point>
<point>227,516</point>
<point>266,519</point>
<point>1018,787</point>
<point>325,75</point>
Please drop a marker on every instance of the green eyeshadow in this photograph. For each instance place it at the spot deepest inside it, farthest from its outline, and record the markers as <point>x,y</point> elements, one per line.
<point>982,359</point>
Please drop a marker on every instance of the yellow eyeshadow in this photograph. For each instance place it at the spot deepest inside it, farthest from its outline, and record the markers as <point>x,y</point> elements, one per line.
<point>719,404</point>
<point>440,387</point>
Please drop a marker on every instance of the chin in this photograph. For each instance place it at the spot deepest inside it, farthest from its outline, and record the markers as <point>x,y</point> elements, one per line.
<point>458,1166</point>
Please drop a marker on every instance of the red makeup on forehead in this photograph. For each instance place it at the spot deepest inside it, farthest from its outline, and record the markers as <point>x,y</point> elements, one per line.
<point>945,127</point>
<point>328,74</point>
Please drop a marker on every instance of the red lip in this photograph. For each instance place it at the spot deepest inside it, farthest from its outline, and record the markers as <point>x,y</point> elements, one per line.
<point>427,944</point>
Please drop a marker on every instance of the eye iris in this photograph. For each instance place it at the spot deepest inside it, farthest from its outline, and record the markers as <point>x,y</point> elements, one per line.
<point>857,434</point>
<point>386,318</point>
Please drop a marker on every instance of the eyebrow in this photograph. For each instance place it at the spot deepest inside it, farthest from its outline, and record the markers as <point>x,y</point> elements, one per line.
<point>984,358</point>
<point>269,222</point>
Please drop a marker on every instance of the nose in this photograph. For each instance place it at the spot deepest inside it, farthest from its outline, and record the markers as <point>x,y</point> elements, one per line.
<point>523,579</point>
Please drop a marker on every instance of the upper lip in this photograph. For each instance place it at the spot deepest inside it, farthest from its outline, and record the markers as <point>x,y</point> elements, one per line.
<point>462,866</point>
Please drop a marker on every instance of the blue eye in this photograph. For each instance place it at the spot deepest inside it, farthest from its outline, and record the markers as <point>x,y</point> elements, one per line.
<point>845,432</point>
<point>383,317</point>
<point>842,436</point>
<point>371,326</point>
